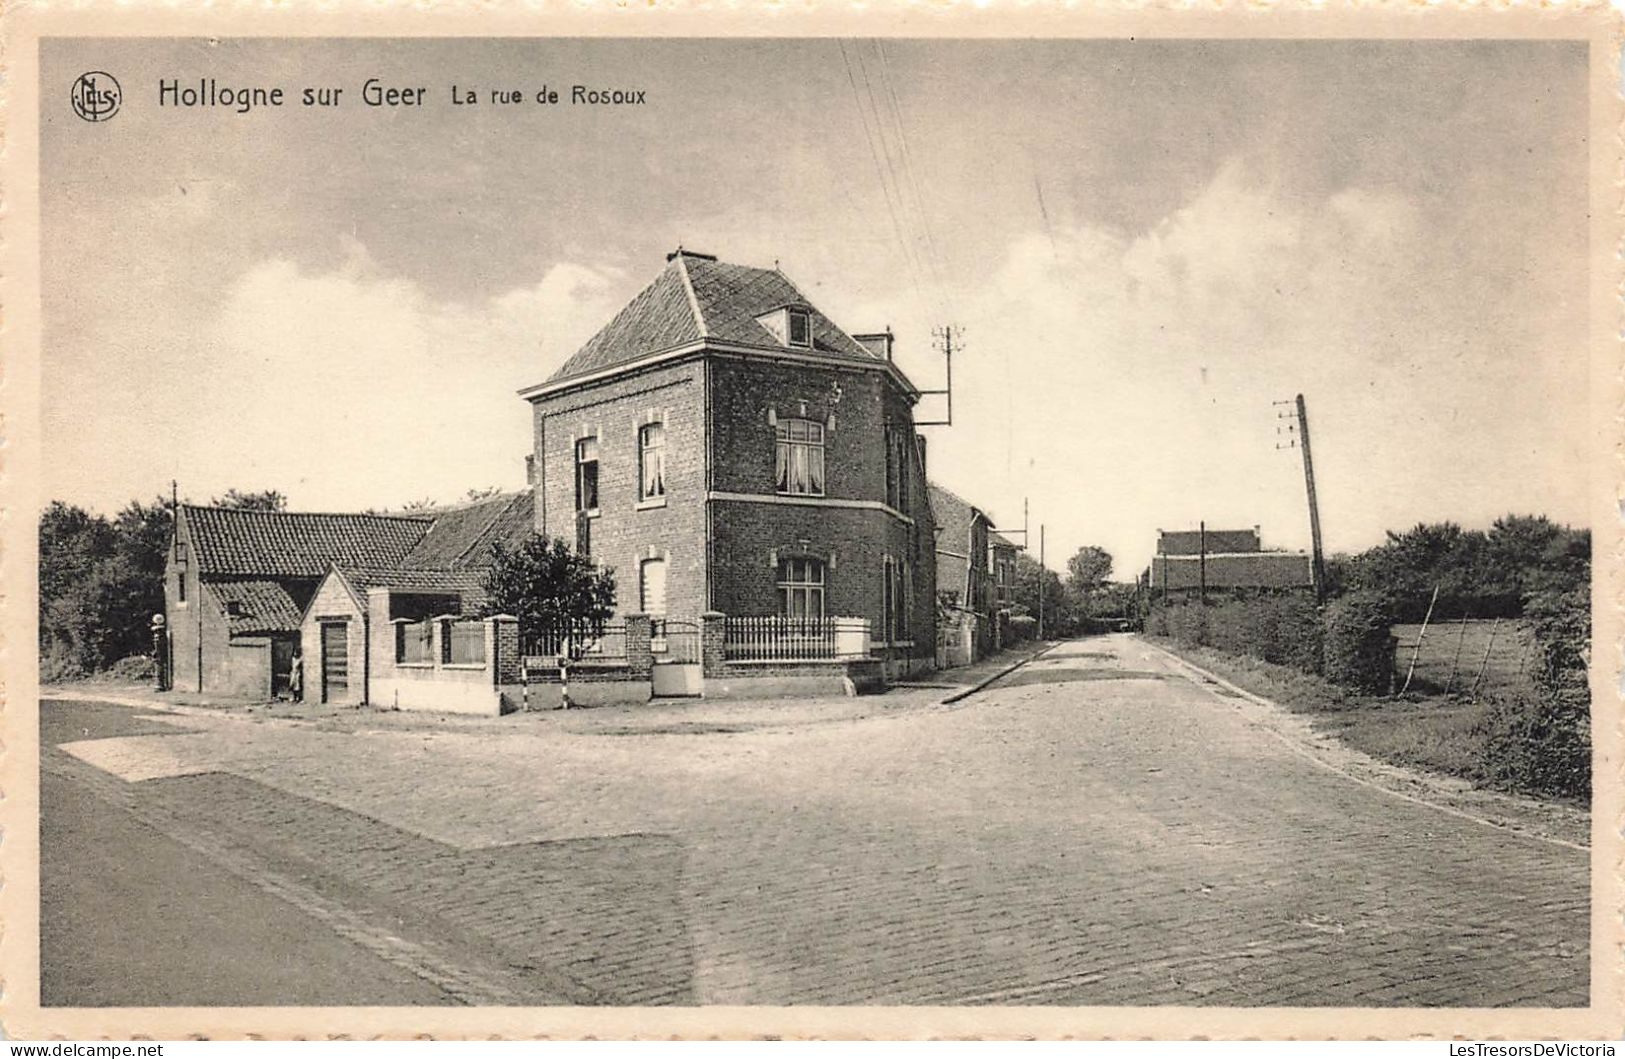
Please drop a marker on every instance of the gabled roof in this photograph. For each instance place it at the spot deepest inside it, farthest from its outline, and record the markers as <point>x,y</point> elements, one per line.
<point>467,585</point>
<point>261,606</point>
<point>462,537</point>
<point>228,541</point>
<point>996,539</point>
<point>1189,542</point>
<point>696,297</point>
<point>1234,570</point>
<point>954,516</point>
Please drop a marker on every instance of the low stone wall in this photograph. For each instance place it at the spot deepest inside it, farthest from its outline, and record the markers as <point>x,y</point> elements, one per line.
<point>803,679</point>
<point>432,691</point>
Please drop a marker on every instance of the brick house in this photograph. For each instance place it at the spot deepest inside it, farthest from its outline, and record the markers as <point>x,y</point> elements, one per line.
<point>243,588</point>
<point>968,604</point>
<point>724,446</point>
<point>1228,561</point>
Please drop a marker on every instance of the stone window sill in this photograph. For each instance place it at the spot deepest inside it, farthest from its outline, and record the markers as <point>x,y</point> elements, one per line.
<point>414,665</point>
<point>466,666</point>
<point>650,503</point>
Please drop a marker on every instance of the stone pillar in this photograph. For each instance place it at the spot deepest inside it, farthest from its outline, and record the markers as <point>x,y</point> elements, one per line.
<point>851,637</point>
<point>505,648</point>
<point>639,655</point>
<point>713,648</point>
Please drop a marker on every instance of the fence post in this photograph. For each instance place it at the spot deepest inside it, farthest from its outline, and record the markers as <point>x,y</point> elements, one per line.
<point>1485,667</point>
<point>1455,663</point>
<point>639,646</point>
<point>713,643</point>
<point>505,662</point>
<point>1420,636</point>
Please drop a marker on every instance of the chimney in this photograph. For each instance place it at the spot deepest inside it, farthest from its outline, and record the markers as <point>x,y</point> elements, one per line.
<point>879,344</point>
<point>919,439</point>
<point>530,469</point>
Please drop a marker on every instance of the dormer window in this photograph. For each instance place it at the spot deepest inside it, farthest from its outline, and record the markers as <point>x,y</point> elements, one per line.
<point>234,609</point>
<point>790,325</point>
<point>800,328</point>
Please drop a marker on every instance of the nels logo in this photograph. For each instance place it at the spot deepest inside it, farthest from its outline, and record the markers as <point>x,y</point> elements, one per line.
<point>96,96</point>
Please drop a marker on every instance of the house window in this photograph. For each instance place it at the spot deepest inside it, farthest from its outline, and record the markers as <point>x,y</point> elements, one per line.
<point>800,457</point>
<point>234,609</point>
<point>587,474</point>
<point>651,461</point>
<point>897,469</point>
<point>652,599</point>
<point>801,589</point>
<point>414,642</point>
<point>895,593</point>
<point>800,328</point>
<point>180,587</point>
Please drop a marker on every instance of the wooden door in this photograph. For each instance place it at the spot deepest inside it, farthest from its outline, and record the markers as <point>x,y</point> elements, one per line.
<point>335,660</point>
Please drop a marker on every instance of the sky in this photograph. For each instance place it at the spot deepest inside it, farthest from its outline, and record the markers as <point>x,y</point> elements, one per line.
<point>1141,245</point>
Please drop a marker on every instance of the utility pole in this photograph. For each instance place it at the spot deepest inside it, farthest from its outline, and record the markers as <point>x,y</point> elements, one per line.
<point>1301,429</point>
<point>944,337</point>
<point>1314,505</point>
<point>1202,561</point>
<point>1041,582</point>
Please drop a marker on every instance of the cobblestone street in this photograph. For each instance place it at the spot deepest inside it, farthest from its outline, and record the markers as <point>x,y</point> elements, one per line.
<point>1097,828</point>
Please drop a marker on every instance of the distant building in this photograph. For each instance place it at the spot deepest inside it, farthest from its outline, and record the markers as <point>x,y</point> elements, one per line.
<point>243,588</point>
<point>967,604</point>
<point>1233,560</point>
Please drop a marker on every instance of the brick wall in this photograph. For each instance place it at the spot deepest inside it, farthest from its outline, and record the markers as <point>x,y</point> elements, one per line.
<point>625,532</point>
<point>334,602</point>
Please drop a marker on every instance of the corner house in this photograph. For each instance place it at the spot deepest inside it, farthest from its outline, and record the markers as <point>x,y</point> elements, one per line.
<point>726,447</point>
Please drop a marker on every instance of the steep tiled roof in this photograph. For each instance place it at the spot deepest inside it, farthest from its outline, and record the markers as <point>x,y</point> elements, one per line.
<point>260,606</point>
<point>469,585</point>
<point>697,296</point>
<point>229,541</point>
<point>1189,542</point>
<point>462,537</point>
<point>953,515</point>
<point>999,540</point>
<point>1243,570</point>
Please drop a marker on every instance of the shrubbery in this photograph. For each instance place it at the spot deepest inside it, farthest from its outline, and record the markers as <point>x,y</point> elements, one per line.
<point>1276,628</point>
<point>1023,627</point>
<point>1543,744</point>
<point>1359,650</point>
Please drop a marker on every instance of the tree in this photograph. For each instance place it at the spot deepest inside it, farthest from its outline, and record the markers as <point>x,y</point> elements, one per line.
<point>1089,568</point>
<point>265,500</point>
<point>549,588</point>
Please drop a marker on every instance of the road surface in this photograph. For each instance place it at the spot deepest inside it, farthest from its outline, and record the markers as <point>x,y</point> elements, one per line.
<point>1096,828</point>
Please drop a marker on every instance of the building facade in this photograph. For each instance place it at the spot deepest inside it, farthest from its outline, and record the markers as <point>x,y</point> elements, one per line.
<point>725,447</point>
<point>244,591</point>
<point>1191,561</point>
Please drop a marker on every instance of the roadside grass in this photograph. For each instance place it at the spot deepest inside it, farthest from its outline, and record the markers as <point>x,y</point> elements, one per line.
<point>1433,733</point>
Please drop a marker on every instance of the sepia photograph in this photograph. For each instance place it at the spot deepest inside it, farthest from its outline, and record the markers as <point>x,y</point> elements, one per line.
<point>841,520</point>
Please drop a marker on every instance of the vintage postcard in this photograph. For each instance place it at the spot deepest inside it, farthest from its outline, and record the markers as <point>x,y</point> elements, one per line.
<point>814,522</point>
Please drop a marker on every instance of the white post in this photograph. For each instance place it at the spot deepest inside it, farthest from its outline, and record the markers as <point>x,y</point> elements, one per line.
<point>851,637</point>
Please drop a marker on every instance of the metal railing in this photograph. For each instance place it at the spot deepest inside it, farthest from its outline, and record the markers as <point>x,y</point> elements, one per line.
<point>775,638</point>
<point>607,643</point>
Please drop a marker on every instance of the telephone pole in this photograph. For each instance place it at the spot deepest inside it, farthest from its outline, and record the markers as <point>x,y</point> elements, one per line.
<point>944,340</point>
<point>1301,430</point>
<point>1314,505</point>
<point>1041,583</point>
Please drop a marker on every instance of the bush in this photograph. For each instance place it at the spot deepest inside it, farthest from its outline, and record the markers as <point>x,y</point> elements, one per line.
<point>1542,743</point>
<point>58,666</point>
<point>132,667</point>
<point>1359,650</point>
<point>1023,627</point>
<point>1283,629</point>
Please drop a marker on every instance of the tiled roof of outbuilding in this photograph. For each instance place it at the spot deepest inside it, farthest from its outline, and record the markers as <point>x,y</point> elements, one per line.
<point>1189,542</point>
<point>230,541</point>
<point>468,585</point>
<point>462,537</point>
<point>697,296</point>
<point>261,606</point>
<point>1242,570</point>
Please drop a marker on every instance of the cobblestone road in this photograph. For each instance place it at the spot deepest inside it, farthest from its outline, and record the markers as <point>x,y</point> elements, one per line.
<point>1095,829</point>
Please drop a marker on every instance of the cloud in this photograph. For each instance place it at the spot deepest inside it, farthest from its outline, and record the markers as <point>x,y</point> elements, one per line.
<point>1124,381</point>
<point>370,391</point>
